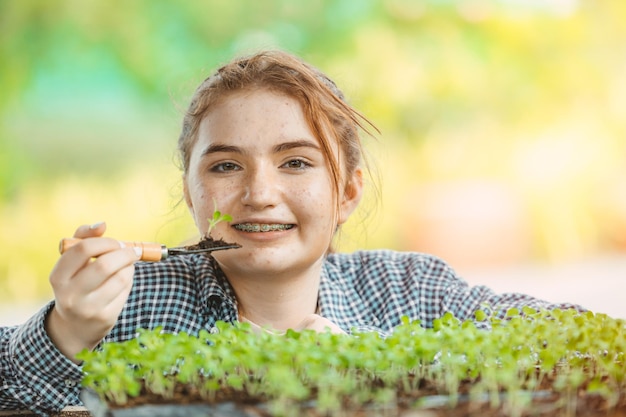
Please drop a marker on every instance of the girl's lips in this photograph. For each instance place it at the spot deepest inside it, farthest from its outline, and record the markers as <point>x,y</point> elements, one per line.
<point>262,227</point>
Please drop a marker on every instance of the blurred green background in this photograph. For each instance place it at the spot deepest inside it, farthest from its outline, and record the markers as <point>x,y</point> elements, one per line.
<point>503,121</point>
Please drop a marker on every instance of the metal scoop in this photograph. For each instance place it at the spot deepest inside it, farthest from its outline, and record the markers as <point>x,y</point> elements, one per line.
<point>152,252</point>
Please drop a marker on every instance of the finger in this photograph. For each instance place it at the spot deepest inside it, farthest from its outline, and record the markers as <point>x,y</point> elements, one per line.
<point>103,269</point>
<point>79,256</point>
<point>107,300</point>
<point>93,230</point>
<point>93,304</point>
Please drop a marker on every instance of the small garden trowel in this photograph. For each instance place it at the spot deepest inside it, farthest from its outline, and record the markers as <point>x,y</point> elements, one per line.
<point>155,252</point>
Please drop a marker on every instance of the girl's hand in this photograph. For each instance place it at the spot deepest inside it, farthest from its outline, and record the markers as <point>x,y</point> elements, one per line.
<point>91,282</point>
<point>319,324</point>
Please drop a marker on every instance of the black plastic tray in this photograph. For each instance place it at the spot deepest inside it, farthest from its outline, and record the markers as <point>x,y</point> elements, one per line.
<point>99,408</point>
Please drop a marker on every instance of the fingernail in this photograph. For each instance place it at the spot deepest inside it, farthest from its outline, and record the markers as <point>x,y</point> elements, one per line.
<point>96,225</point>
<point>122,244</point>
<point>138,251</point>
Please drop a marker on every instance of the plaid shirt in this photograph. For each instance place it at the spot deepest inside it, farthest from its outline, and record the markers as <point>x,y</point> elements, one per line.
<point>368,290</point>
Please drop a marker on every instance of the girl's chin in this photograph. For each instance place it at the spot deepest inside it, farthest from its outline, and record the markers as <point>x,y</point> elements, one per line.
<point>265,260</point>
<point>258,256</point>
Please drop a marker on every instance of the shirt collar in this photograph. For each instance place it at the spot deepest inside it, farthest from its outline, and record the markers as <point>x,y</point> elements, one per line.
<point>215,291</point>
<point>337,300</point>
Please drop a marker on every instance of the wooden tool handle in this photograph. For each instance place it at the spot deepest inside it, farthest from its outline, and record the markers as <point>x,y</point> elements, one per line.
<point>150,251</point>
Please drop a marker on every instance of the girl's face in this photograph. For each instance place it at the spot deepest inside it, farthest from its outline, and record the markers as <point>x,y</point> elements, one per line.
<point>257,158</point>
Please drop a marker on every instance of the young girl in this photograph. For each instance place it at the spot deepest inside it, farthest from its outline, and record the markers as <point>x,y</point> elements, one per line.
<point>273,142</point>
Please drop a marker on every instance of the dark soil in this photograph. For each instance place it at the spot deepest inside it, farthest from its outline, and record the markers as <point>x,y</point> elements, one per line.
<point>545,403</point>
<point>207,242</point>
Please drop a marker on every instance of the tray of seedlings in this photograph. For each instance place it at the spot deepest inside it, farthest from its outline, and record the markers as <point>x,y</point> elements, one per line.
<point>524,363</point>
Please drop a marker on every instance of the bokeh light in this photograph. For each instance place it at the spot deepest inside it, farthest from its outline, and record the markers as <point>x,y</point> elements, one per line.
<point>503,122</point>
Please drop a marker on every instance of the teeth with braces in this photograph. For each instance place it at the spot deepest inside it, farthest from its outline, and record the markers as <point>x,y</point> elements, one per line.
<point>257,227</point>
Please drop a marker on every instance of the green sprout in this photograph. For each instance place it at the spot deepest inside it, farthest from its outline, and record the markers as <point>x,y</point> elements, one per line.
<point>218,217</point>
<point>556,358</point>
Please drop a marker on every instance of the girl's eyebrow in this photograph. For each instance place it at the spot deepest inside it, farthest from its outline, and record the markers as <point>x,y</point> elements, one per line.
<point>281,147</point>
<point>218,147</point>
<point>302,143</point>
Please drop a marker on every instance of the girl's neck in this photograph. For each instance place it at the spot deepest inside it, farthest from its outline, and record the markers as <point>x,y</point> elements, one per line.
<point>277,303</point>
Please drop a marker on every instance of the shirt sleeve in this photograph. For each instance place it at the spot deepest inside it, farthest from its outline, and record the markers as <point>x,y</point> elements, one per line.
<point>34,374</point>
<point>462,300</point>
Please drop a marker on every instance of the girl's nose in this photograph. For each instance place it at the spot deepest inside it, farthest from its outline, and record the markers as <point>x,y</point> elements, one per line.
<point>260,189</point>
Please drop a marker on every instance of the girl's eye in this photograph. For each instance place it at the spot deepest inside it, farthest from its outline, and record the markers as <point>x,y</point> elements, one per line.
<point>225,167</point>
<point>297,164</point>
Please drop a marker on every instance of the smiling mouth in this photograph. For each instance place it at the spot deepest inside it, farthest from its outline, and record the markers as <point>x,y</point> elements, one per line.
<point>262,227</point>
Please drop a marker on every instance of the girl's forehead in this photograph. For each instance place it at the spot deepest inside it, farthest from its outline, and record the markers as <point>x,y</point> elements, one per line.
<point>261,119</point>
<point>251,98</point>
<point>257,113</point>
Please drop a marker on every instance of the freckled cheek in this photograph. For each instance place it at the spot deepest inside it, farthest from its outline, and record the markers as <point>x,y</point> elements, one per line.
<point>315,204</point>
<point>202,196</point>
<point>228,193</point>
<point>199,209</point>
<point>225,195</point>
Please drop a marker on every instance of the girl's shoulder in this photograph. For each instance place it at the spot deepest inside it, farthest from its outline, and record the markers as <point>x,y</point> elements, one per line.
<point>381,256</point>
<point>390,263</point>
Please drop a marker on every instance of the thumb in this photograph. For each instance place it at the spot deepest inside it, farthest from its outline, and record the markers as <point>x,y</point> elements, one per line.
<point>94,230</point>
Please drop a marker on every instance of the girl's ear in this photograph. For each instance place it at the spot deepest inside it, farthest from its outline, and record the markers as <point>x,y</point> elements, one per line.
<point>351,197</point>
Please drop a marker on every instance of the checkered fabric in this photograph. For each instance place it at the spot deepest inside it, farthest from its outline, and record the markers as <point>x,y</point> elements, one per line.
<point>364,291</point>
